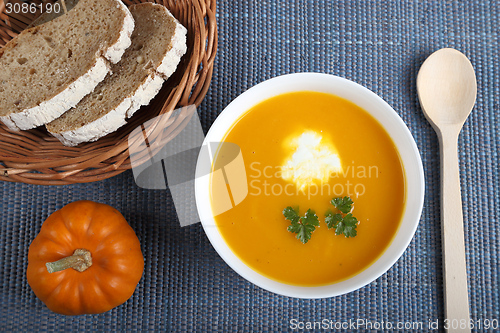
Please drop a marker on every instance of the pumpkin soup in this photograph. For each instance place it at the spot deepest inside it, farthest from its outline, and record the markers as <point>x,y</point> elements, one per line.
<point>301,150</point>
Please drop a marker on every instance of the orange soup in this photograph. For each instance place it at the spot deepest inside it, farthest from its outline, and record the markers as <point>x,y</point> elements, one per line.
<point>330,135</point>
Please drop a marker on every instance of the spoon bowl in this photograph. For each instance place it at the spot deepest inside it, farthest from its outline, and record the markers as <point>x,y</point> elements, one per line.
<point>447,88</point>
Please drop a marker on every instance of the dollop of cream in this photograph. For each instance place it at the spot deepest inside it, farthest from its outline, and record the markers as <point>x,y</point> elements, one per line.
<point>312,160</point>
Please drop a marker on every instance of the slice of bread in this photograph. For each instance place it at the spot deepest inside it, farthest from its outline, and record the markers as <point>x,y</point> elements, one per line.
<point>48,69</point>
<point>158,43</point>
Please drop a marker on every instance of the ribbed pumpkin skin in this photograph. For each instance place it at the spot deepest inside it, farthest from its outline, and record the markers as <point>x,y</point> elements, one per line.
<point>117,261</point>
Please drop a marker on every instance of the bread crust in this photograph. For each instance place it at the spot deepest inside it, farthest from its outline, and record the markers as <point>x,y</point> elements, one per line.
<point>143,95</point>
<point>115,51</point>
<point>173,57</point>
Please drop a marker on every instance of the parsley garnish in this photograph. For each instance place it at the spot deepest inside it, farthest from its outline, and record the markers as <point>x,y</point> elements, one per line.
<point>332,220</point>
<point>302,226</point>
<point>343,204</point>
<point>343,224</point>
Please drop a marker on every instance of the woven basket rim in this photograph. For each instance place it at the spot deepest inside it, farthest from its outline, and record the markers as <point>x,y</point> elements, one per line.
<point>35,157</point>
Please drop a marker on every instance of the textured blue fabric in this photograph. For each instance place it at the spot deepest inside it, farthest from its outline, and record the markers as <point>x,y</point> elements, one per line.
<point>186,285</point>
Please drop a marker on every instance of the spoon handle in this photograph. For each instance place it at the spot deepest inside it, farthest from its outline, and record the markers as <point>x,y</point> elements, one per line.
<point>452,228</point>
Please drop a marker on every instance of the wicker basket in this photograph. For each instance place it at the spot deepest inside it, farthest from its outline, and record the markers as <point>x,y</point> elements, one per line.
<point>36,157</point>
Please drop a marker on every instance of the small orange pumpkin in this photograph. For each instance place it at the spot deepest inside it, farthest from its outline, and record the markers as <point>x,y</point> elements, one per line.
<point>94,256</point>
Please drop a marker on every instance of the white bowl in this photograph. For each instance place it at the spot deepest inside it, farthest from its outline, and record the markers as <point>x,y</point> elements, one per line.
<point>391,122</point>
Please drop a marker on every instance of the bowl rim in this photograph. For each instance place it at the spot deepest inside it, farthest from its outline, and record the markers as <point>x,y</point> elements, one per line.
<point>391,122</point>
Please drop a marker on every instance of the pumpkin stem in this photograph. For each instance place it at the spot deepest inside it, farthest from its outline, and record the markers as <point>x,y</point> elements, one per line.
<point>80,261</point>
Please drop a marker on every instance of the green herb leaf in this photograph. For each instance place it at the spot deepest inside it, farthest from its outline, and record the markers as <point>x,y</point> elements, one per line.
<point>302,226</point>
<point>295,228</point>
<point>332,220</point>
<point>310,218</point>
<point>339,230</point>
<point>350,231</point>
<point>304,235</point>
<point>291,214</point>
<point>347,226</point>
<point>343,224</point>
<point>350,220</point>
<point>343,204</point>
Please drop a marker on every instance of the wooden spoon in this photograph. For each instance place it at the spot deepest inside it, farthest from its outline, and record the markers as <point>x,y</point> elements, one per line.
<point>446,86</point>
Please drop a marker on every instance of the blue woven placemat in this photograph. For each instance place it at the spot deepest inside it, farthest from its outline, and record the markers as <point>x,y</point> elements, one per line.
<point>186,286</point>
